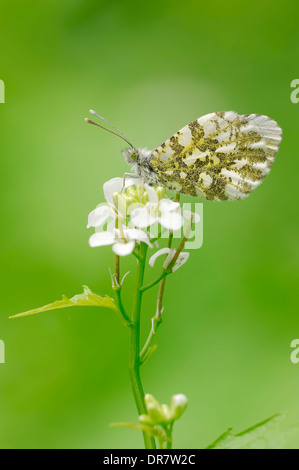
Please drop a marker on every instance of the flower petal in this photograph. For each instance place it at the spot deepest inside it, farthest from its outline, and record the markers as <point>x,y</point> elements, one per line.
<point>99,216</point>
<point>182,259</point>
<point>112,186</point>
<point>152,195</point>
<point>188,214</point>
<point>132,181</point>
<point>123,249</point>
<point>169,258</point>
<point>101,239</point>
<point>156,255</point>
<point>167,204</point>
<point>171,220</point>
<point>138,235</point>
<point>141,217</point>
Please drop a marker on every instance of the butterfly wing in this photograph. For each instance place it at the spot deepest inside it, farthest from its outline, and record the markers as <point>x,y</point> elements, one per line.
<point>220,156</point>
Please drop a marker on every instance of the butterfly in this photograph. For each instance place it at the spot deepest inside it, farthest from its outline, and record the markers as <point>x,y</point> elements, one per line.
<point>220,156</point>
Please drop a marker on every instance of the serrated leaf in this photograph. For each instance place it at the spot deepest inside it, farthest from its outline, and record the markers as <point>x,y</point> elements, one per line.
<point>88,298</point>
<point>263,435</point>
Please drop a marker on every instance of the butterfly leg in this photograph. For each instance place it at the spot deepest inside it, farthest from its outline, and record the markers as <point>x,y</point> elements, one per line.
<point>128,175</point>
<point>142,185</point>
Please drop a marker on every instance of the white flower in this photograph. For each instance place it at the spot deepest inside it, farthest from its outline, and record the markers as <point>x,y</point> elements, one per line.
<point>115,185</point>
<point>182,258</point>
<point>122,240</point>
<point>100,215</point>
<point>166,212</point>
<point>120,233</point>
<point>188,214</point>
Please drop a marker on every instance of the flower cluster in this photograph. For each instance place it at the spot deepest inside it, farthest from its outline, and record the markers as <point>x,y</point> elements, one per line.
<point>158,414</point>
<point>135,214</point>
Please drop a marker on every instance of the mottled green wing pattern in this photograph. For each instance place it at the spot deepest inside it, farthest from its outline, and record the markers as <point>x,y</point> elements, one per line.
<point>220,156</point>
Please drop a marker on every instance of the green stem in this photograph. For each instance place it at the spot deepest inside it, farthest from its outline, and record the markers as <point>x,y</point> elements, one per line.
<point>157,319</point>
<point>152,284</point>
<point>181,245</point>
<point>117,289</point>
<point>156,322</point>
<point>134,360</point>
<point>122,312</point>
<point>116,267</point>
<point>169,436</point>
<point>163,280</point>
<point>147,345</point>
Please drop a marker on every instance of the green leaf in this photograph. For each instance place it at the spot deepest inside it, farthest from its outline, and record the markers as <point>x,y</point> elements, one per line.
<point>87,298</point>
<point>264,435</point>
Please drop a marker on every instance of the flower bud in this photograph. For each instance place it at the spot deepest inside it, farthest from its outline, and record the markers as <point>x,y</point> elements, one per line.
<point>145,420</point>
<point>163,414</point>
<point>154,409</point>
<point>166,413</point>
<point>161,191</point>
<point>178,405</point>
<point>131,192</point>
<point>120,202</point>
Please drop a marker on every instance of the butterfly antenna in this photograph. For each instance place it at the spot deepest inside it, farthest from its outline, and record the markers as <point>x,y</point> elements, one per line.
<point>107,122</point>
<point>119,134</point>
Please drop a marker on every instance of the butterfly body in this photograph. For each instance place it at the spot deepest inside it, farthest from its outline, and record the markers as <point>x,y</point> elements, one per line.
<point>139,160</point>
<point>219,156</point>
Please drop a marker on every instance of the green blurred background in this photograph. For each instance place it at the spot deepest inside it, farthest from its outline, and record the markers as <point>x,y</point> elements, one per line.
<point>232,311</point>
